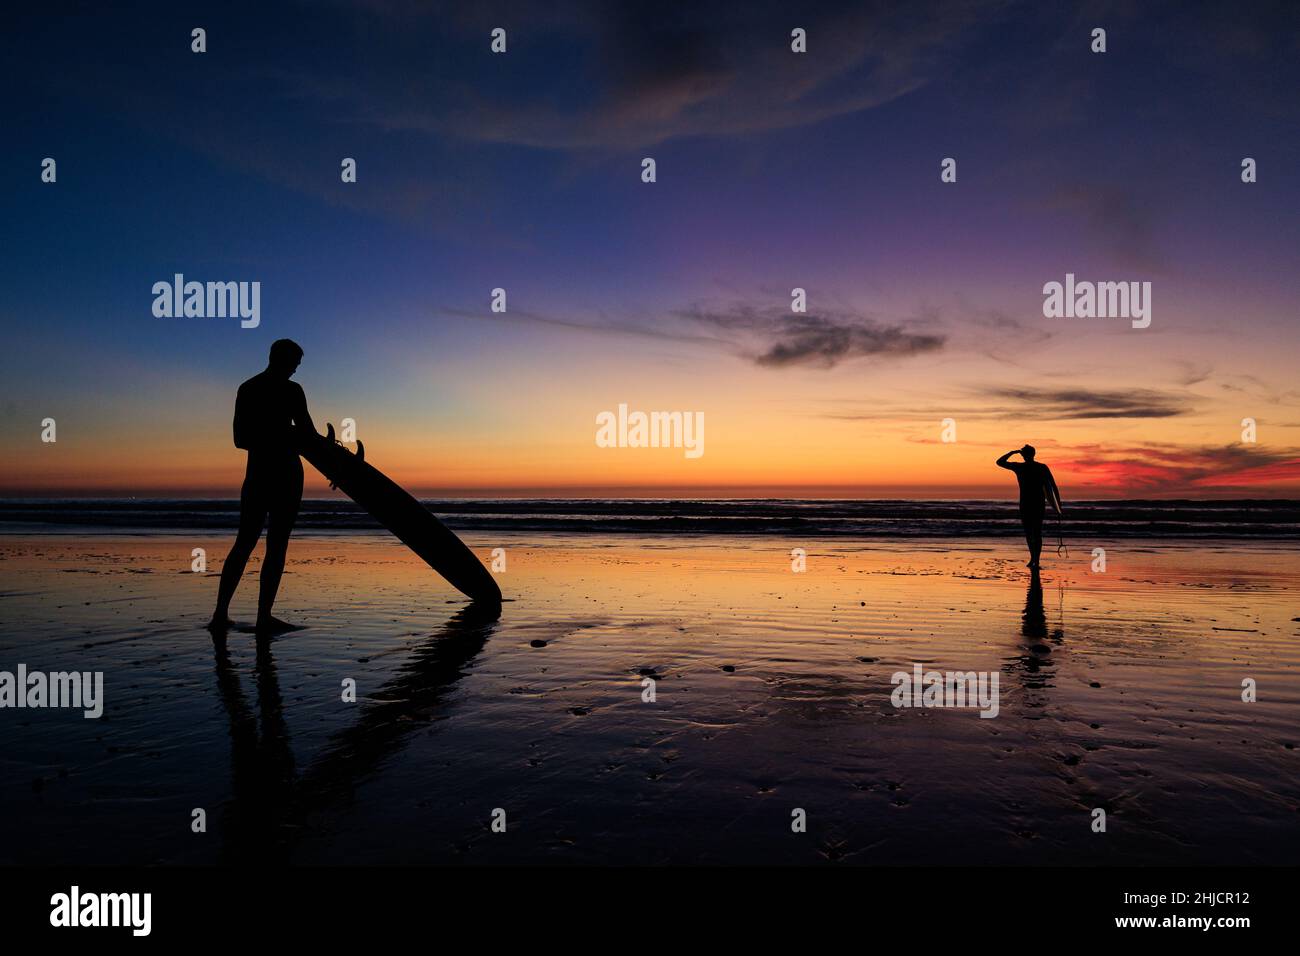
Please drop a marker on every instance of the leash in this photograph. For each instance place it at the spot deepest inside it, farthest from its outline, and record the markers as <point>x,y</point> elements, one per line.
<point>1060,606</point>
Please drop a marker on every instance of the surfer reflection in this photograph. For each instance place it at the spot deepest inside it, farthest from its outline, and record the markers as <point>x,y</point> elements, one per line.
<point>261,762</point>
<point>1033,622</point>
<point>1033,663</point>
<point>271,420</point>
<point>1037,487</point>
<point>274,804</point>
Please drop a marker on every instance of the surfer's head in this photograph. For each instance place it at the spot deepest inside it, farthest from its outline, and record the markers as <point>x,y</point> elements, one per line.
<point>1028,452</point>
<point>285,356</point>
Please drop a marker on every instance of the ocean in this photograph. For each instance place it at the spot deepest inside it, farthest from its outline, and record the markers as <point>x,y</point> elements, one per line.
<point>1240,519</point>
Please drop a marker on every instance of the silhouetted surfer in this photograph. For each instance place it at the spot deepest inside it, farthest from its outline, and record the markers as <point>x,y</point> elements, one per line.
<point>271,420</point>
<point>1037,487</point>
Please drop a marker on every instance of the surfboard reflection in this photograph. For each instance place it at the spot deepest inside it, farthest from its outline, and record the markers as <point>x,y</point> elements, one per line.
<point>272,807</point>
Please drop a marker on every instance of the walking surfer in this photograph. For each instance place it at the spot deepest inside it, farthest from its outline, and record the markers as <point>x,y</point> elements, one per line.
<point>271,419</point>
<point>1037,487</point>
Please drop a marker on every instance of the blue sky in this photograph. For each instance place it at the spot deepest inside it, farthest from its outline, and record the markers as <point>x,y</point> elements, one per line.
<point>522,170</point>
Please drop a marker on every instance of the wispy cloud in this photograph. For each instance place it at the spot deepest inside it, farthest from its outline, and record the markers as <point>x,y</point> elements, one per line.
<point>771,337</point>
<point>1000,336</point>
<point>1162,466</point>
<point>780,338</point>
<point>1193,373</point>
<point>594,326</point>
<point>650,72</point>
<point>1079,403</point>
<point>998,403</point>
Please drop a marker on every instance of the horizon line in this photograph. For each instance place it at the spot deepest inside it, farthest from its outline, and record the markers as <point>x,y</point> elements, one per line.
<point>686,493</point>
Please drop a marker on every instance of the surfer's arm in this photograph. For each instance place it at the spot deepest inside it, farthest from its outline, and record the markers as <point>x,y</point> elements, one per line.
<point>1003,463</point>
<point>240,428</point>
<point>302,417</point>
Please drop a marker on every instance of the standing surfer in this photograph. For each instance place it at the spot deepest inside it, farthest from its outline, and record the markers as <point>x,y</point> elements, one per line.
<point>271,420</point>
<point>1037,487</point>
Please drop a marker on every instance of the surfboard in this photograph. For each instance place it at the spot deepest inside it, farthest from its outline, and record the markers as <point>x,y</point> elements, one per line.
<point>408,520</point>
<point>1053,497</point>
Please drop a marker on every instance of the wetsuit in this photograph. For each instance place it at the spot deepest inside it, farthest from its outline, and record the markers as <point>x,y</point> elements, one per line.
<point>269,415</point>
<point>1035,483</point>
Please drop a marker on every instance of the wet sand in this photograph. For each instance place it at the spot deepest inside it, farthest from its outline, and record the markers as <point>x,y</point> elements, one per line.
<point>1119,690</point>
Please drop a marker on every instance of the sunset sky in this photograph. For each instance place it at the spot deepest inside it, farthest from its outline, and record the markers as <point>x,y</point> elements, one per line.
<point>775,170</point>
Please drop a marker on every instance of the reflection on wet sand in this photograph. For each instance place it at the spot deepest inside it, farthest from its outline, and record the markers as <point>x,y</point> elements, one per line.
<point>1033,663</point>
<point>261,757</point>
<point>772,691</point>
<point>272,806</point>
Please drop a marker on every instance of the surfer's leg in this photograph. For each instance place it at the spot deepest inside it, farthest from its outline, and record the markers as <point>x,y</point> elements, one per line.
<point>252,515</point>
<point>283,514</point>
<point>1031,518</point>
<point>1034,537</point>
